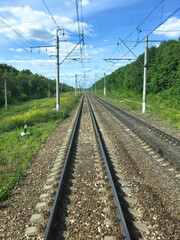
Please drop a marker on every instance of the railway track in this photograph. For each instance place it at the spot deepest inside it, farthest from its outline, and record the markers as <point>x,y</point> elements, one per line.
<point>87,203</point>
<point>164,144</point>
<point>97,196</point>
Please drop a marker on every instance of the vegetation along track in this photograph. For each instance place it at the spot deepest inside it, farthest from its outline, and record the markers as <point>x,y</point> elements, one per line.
<point>164,144</point>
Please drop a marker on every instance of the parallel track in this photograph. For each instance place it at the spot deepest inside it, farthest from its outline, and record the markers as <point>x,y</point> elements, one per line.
<point>157,139</point>
<point>54,228</point>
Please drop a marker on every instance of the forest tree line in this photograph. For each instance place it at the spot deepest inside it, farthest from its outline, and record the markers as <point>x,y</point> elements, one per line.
<point>163,74</point>
<point>24,85</point>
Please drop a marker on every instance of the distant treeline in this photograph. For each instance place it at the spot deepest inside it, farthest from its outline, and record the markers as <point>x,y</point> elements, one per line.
<point>163,76</point>
<point>24,85</point>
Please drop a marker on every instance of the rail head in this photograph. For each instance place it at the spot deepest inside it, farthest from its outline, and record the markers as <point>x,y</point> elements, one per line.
<point>49,228</point>
<point>155,145</point>
<point>170,137</point>
<point>120,212</point>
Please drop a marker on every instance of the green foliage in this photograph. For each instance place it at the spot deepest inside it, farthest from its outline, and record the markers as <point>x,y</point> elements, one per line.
<point>165,72</point>
<point>15,151</point>
<point>163,75</point>
<point>156,106</point>
<point>24,86</point>
<point>125,85</point>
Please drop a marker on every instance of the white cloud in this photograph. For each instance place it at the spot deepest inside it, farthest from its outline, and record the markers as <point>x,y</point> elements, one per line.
<point>29,62</point>
<point>168,27</point>
<point>85,2</point>
<point>40,66</point>
<point>37,25</point>
<point>91,50</point>
<point>71,3</point>
<point>90,7</point>
<point>16,50</point>
<point>97,51</point>
<point>87,69</point>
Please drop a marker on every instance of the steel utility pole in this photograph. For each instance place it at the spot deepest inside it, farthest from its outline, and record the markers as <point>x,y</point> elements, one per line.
<point>104,84</point>
<point>76,85</point>
<point>5,91</point>
<point>49,90</point>
<point>57,72</point>
<point>145,76</point>
<point>79,88</point>
<point>57,67</point>
<point>95,83</point>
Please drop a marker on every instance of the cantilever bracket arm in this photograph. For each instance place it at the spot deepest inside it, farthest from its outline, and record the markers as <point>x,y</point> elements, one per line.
<point>118,59</point>
<point>71,52</point>
<point>131,51</point>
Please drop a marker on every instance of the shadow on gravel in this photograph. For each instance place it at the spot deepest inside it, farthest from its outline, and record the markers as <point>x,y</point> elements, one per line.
<point>129,218</point>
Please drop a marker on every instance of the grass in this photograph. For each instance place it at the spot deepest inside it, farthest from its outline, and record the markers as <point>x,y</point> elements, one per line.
<point>15,151</point>
<point>162,109</point>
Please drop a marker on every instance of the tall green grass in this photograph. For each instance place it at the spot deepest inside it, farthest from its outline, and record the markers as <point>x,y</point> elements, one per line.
<point>160,107</point>
<point>16,151</point>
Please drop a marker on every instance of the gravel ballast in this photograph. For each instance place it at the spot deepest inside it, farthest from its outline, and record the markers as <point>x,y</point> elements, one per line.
<point>153,183</point>
<point>154,186</point>
<point>15,213</point>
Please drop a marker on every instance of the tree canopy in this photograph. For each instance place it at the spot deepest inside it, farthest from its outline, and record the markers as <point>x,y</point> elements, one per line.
<point>163,72</point>
<point>24,85</point>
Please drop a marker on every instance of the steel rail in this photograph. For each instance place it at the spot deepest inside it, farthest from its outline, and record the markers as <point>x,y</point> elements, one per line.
<point>120,212</point>
<point>49,228</point>
<point>171,138</point>
<point>129,125</point>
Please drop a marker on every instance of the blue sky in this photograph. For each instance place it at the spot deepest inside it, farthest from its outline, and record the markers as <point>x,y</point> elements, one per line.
<point>25,24</point>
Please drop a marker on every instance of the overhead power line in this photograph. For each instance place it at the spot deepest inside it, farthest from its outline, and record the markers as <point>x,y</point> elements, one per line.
<point>130,51</point>
<point>175,30</point>
<point>142,40</point>
<point>77,13</point>
<point>60,29</point>
<point>136,29</point>
<point>162,1</point>
<point>71,51</point>
<point>82,21</point>
<point>19,33</point>
<point>138,26</point>
<point>165,20</point>
<point>81,33</point>
<point>51,15</point>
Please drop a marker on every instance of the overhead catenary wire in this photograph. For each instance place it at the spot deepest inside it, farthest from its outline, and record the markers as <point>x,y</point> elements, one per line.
<point>63,33</point>
<point>11,39</point>
<point>60,29</point>
<point>15,29</point>
<point>82,20</point>
<point>70,52</point>
<point>131,49</point>
<point>138,27</point>
<point>78,23</point>
<point>81,34</point>
<point>157,30</point>
<point>162,1</point>
<point>21,36</point>
<point>9,26</point>
<point>51,15</point>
